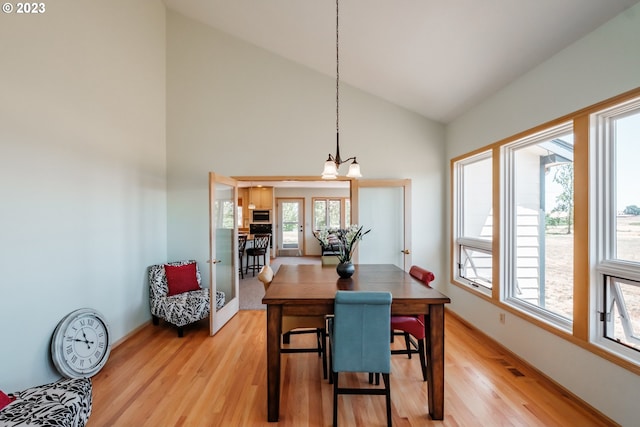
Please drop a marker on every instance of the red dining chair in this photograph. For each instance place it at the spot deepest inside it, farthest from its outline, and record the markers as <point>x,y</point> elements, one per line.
<point>413,328</point>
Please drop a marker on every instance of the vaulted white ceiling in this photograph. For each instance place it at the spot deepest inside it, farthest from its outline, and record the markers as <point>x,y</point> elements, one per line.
<point>435,57</point>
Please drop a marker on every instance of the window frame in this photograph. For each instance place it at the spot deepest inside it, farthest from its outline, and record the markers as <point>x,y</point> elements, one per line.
<point>343,210</point>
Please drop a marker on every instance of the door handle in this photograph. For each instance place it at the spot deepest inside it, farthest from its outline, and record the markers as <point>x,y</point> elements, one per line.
<point>215,261</point>
<point>406,251</point>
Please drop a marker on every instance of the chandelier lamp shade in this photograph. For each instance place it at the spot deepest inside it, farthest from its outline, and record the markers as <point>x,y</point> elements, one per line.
<point>333,163</point>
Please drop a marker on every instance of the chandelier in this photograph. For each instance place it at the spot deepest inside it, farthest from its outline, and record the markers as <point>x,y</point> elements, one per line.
<point>333,162</point>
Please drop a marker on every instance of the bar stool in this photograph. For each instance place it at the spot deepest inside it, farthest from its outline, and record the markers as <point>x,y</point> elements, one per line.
<point>259,249</point>
<point>242,243</point>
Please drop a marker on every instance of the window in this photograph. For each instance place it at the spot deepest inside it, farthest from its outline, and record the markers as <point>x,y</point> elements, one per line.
<point>239,212</point>
<point>557,241</point>
<point>537,185</point>
<point>617,278</point>
<point>474,223</point>
<point>331,213</point>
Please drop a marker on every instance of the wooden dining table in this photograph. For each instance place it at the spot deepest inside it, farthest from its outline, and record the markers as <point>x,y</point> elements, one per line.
<point>310,290</point>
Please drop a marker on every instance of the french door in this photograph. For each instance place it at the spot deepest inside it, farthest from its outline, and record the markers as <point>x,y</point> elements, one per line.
<point>384,206</point>
<point>223,249</point>
<point>291,227</point>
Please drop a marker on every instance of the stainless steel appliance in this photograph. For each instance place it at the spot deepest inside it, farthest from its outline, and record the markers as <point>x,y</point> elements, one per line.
<point>262,216</point>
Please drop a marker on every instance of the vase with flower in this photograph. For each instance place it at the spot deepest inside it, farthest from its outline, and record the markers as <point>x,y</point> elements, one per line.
<point>343,243</point>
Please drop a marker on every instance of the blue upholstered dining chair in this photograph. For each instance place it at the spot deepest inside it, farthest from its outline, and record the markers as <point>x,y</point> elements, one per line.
<point>359,338</point>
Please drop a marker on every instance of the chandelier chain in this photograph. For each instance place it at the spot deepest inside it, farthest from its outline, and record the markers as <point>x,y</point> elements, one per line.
<point>332,163</point>
<point>337,74</point>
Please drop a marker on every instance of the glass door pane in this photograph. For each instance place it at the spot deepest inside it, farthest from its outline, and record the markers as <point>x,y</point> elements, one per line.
<point>291,227</point>
<point>224,249</point>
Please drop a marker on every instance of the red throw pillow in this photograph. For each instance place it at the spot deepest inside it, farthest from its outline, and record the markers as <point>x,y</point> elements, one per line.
<point>5,400</point>
<point>181,278</point>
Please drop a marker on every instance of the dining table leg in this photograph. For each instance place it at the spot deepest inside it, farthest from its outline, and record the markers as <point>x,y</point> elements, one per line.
<point>435,361</point>
<point>274,325</point>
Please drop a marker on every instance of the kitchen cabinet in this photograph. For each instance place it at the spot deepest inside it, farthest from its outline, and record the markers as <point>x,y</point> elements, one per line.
<point>243,197</point>
<point>262,197</point>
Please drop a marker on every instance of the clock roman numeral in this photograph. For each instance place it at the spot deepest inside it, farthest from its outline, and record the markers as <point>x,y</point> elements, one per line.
<point>73,359</point>
<point>69,349</point>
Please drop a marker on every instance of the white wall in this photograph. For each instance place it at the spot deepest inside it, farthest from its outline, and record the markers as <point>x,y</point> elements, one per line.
<point>599,66</point>
<point>239,110</point>
<point>82,172</point>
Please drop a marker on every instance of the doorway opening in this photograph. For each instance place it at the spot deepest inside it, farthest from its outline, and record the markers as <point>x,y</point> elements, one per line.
<point>289,201</point>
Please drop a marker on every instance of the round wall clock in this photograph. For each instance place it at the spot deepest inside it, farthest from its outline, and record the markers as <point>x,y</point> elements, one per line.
<point>81,344</point>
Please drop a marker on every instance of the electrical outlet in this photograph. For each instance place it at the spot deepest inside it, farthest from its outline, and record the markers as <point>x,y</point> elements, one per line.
<point>503,318</point>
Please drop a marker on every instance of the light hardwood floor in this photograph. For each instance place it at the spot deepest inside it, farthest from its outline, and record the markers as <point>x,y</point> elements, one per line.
<point>157,379</point>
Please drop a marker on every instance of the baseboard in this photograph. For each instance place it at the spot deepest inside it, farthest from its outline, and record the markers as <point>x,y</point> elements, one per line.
<point>130,334</point>
<point>289,252</point>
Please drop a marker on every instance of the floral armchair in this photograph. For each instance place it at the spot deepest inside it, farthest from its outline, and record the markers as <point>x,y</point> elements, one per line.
<point>176,295</point>
<point>66,402</point>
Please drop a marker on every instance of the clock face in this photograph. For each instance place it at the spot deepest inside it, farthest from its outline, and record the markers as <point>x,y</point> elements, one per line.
<point>81,345</point>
